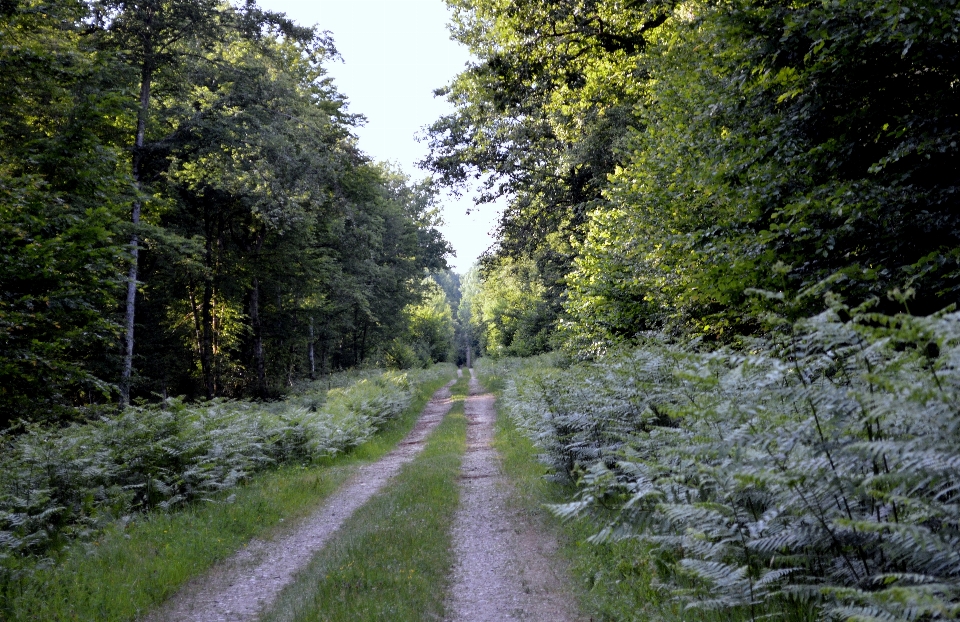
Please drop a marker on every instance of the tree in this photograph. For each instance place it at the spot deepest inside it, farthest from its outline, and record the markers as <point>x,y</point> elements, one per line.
<point>158,36</point>
<point>449,281</point>
<point>293,251</point>
<point>384,244</point>
<point>258,145</point>
<point>540,117</point>
<point>151,33</point>
<point>813,149</point>
<point>430,329</point>
<point>510,311</point>
<point>468,338</point>
<point>266,248</point>
<point>63,189</point>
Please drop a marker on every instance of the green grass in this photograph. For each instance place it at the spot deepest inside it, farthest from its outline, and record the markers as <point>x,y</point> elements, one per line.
<point>614,581</point>
<point>392,560</point>
<point>131,568</point>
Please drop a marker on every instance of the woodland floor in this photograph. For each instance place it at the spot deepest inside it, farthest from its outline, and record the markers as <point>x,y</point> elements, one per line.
<point>505,566</point>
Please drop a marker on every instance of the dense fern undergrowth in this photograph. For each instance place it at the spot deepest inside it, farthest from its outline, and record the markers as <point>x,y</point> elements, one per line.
<point>61,484</point>
<point>811,475</point>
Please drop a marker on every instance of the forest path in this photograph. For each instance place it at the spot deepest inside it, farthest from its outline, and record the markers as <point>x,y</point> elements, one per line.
<point>246,584</point>
<point>506,567</point>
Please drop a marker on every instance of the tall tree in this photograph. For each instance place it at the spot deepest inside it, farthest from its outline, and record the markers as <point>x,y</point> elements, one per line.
<point>269,248</point>
<point>257,143</point>
<point>156,36</point>
<point>384,244</point>
<point>796,150</point>
<point>63,189</point>
<point>153,35</point>
<point>540,116</point>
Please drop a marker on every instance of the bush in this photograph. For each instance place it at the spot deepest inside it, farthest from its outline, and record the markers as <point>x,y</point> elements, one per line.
<point>817,471</point>
<point>63,483</point>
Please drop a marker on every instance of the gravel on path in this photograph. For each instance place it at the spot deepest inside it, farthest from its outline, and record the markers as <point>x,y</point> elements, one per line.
<point>506,568</point>
<point>246,584</point>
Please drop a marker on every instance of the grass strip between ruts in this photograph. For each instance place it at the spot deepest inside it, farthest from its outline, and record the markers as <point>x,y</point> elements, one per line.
<point>392,560</point>
<point>129,569</point>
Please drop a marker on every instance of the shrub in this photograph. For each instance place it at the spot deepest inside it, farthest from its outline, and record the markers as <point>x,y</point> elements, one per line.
<point>63,483</point>
<point>816,471</point>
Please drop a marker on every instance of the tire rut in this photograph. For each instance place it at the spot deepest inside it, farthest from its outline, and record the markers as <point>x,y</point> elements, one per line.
<point>505,568</point>
<point>242,587</point>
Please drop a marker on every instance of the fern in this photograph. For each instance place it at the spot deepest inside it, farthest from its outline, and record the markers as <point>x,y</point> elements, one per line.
<point>61,484</point>
<point>820,466</point>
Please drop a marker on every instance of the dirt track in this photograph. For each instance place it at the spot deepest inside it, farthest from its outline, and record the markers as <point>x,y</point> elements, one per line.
<point>505,564</point>
<point>249,582</point>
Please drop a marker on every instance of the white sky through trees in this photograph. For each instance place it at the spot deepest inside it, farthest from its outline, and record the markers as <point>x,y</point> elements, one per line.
<point>395,53</point>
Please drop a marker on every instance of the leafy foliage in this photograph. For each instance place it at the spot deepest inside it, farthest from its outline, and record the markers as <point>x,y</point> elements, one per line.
<point>510,313</point>
<point>61,484</point>
<point>662,159</point>
<point>785,148</point>
<point>430,331</point>
<point>539,118</point>
<point>264,248</point>
<point>816,471</point>
<point>63,191</point>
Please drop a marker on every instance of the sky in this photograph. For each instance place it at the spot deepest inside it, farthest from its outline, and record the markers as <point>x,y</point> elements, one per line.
<point>395,54</point>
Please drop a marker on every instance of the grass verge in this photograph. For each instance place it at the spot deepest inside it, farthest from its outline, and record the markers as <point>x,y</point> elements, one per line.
<point>613,581</point>
<point>131,568</point>
<point>393,560</point>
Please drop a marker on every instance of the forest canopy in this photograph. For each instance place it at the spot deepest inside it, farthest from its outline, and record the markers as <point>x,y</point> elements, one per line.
<point>184,209</point>
<point>694,166</point>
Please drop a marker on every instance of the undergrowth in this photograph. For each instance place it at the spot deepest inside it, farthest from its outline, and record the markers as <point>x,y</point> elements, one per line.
<point>814,474</point>
<point>613,580</point>
<point>393,560</point>
<point>111,563</point>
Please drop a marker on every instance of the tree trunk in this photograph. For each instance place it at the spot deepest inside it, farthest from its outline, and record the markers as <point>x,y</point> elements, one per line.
<point>469,349</point>
<point>313,362</point>
<point>126,374</point>
<point>355,336</point>
<point>363,342</point>
<point>259,364</point>
<point>197,324</point>
<point>206,318</point>
<point>206,349</point>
